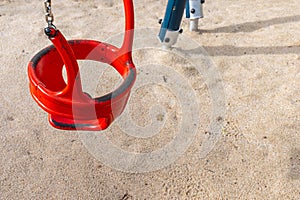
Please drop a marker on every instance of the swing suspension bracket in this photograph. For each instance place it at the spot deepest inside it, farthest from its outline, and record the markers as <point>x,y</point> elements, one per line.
<point>70,108</point>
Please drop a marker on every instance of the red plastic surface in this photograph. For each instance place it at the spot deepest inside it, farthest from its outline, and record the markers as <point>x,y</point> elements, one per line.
<point>68,106</point>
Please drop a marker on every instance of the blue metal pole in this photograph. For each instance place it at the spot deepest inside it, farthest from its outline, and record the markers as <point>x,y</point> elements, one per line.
<point>170,27</point>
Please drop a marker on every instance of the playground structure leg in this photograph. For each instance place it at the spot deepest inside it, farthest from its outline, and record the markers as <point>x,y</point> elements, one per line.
<point>170,25</point>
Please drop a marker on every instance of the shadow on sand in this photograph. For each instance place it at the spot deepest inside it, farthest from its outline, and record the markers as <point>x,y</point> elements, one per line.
<point>229,50</point>
<point>253,26</point>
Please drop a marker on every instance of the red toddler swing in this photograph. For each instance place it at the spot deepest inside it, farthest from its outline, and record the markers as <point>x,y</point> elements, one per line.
<point>68,106</point>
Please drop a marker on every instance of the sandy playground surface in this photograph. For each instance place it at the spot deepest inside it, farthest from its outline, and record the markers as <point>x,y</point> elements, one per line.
<point>253,48</point>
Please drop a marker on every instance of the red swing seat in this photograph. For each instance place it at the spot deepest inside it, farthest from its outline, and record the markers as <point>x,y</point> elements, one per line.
<point>68,106</point>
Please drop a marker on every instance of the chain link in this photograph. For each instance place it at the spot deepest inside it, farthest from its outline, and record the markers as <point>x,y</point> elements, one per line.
<point>49,15</point>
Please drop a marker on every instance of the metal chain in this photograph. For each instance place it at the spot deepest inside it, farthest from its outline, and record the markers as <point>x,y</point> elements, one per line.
<point>49,15</point>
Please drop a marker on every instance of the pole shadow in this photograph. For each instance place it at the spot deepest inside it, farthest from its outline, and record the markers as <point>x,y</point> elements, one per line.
<point>253,26</point>
<point>230,50</point>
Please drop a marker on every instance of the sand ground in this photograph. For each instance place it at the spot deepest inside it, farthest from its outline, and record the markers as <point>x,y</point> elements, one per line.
<point>255,48</point>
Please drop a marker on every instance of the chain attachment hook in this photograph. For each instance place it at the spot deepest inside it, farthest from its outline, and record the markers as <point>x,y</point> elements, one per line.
<point>50,30</point>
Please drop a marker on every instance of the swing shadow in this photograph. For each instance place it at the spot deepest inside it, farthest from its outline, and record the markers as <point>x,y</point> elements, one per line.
<point>253,26</point>
<point>230,50</point>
